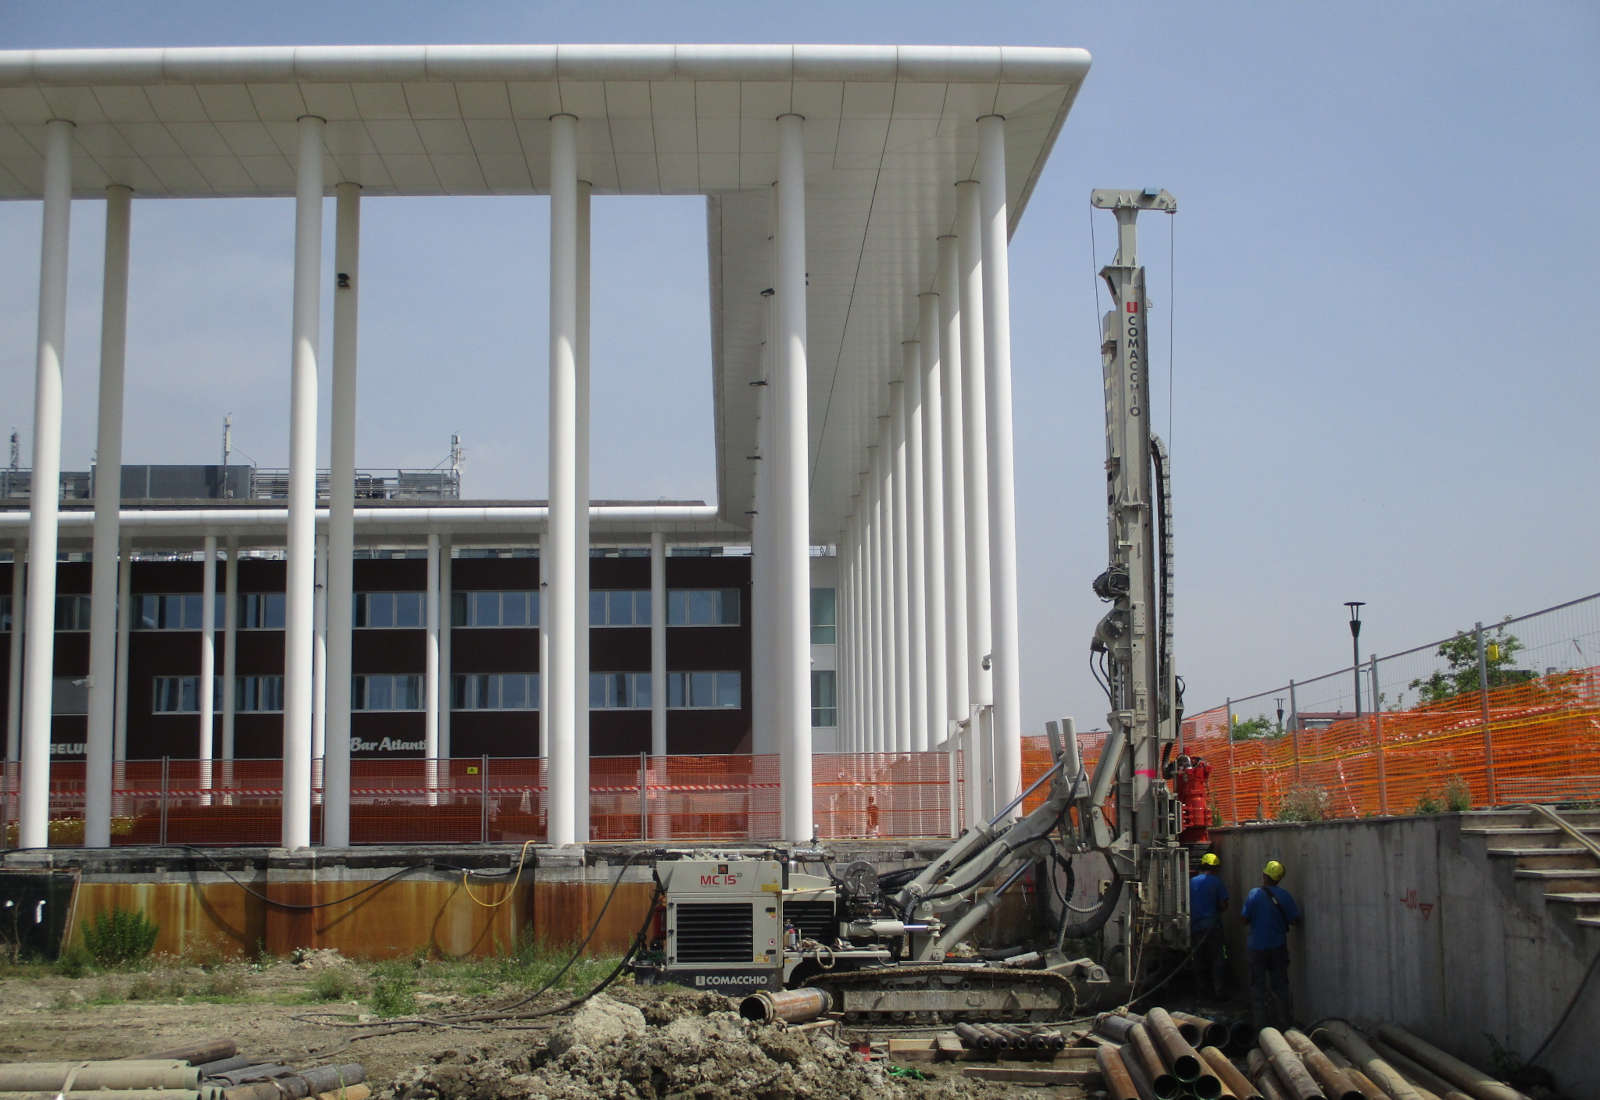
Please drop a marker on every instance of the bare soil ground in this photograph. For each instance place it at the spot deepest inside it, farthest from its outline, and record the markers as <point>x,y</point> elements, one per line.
<point>630,1042</point>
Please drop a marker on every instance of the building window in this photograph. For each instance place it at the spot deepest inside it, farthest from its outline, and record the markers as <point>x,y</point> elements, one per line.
<point>824,697</point>
<point>388,610</point>
<point>5,613</point>
<point>703,607</point>
<point>824,612</point>
<point>260,611</point>
<point>69,695</point>
<point>619,690</point>
<point>72,612</point>
<point>619,607</point>
<point>495,691</point>
<point>258,694</point>
<point>494,608</point>
<point>170,611</point>
<point>703,690</point>
<point>386,692</point>
<point>177,695</point>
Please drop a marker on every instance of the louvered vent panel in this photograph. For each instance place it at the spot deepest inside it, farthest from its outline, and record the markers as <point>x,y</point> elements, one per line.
<point>813,918</point>
<point>714,932</point>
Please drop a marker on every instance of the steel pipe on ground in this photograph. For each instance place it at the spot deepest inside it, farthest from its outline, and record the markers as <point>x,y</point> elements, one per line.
<point>1292,1072</point>
<point>1465,1077</point>
<point>1335,1082</point>
<point>1384,1075</point>
<point>974,1039</point>
<point>1206,1032</point>
<point>794,1006</point>
<point>1113,1026</point>
<point>1261,1073</point>
<point>224,1065</point>
<point>102,1094</point>
<point>1421,1077</point>
<point>1361,1081</point>
<point>1137,1074</point>
<point>1002,1041</point>
<point>1180,1056</point>
<point>1119,1086</point>
<point>305,1083</point>
<point>85,1076</point>
<point>1236,1083</point>
<point>1162,1082</point>
<point>206,1050</point>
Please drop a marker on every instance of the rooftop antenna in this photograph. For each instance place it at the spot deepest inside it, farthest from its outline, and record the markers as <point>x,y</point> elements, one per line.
<point>456,454</point>
<point>16,451</point>
<point>227,452</point>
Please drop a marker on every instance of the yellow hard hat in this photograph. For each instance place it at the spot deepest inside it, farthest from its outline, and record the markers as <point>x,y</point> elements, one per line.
<point>1273,870</point>
<point>1210,860</point>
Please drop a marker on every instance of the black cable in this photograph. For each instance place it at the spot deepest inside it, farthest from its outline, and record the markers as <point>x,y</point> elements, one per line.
<point>1573,1003</point>
<point>1094,670</point>
<point>299,907</point>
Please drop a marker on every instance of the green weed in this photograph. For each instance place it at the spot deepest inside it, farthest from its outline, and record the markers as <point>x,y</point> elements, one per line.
<point>119,937</point>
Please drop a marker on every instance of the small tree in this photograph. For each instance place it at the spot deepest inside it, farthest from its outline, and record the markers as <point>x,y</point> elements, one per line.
<point>1460,674</point>
<point>1258,728</point>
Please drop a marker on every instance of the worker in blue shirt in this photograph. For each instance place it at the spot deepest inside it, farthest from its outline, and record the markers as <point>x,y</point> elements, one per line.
<point>1270,911</point>
<point>1208,897</point>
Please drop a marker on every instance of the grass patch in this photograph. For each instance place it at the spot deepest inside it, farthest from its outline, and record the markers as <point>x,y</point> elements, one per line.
<point>119,937</point>
<point>527,967</point>
<point>335,985</point>
<point>393,990</point>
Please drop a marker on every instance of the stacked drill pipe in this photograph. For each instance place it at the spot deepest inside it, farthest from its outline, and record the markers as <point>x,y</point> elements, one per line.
<point>1206,1032</point>
<point>974,1040</point>
<point>1180,1057</point>
<point>1163,1085</point>
<point>1368,1087</point>
<point>1261,1073</point>
<point>1465,1078</point>
<point>1336,1083</point>
<point>1234,1083</point>
<point>1115,1025</point>
<point>1429,1084</point>
<point>196,1054</point>
<point>1119,1083</point>
<point>144,1075</point>
<point>794,1006</point>
<point>299,1084</point>
<point>1297,1081</point>
<point>1359,1051</point>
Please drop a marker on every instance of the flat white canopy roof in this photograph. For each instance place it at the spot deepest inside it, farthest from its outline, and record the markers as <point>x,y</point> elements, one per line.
<point>889,130</point>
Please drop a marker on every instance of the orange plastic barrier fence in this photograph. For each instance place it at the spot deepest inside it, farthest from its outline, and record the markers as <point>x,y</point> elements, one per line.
<point>1537,741</point>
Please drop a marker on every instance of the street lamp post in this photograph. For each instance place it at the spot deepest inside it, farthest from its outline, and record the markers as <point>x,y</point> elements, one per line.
<point>1279,701</point>
<point>1355,607</point>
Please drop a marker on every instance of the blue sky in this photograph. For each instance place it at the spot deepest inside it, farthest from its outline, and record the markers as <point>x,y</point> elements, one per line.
<point>1384,369</point>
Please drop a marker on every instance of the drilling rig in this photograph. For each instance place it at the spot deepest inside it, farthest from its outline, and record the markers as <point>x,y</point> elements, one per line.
<point>896,943</point>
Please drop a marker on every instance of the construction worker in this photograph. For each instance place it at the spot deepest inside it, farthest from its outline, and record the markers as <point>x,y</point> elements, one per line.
<point>1270,911</point>
<point>1208,897</point>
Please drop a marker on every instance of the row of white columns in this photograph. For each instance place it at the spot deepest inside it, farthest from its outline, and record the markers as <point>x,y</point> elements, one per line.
<point>928,614</point>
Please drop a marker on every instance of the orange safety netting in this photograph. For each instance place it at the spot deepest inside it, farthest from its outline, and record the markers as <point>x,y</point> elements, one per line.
<point>1534,741</point>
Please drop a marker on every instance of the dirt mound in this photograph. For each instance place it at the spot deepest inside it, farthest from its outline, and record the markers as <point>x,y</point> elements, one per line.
<point>604,1052</point>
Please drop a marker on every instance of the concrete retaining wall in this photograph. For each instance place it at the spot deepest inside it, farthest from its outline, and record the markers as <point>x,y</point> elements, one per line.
<point>1408,920</point>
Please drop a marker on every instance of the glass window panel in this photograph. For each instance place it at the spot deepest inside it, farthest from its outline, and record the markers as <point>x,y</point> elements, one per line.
<point>192,606</point>
<point>513,691</point>
<point>729,607</point>
<point>533,609</point>
<point>380,609</point>
<point>358,693</point>
<point>458,609</point>
<point>678,608</point>
<point>641,608</point>
<point>823,611</point>
<point>189,698</point>
<point>272,693</point>
<point>458,693</point>
<point>219,612</point>
<point>379,692</point>
<point>728,689</point>
<point>597,689</point>
<point>641,690</point>
<point>619,608</point>
<point>702,689</point>
<point>597,609</point>
<point>408,693</point>
<point>147,612</point>
<point>702,607</point>
<point>533,691</point>
<point>676,682</point>
<point>485,609</point>
<point>514,608</point>
<point>272,611</point>
<point>408,608</point>
<point>620,696</point>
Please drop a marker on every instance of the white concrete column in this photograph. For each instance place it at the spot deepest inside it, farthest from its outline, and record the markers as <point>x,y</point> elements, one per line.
<point>1006,646</point>
<point>430,671</point>
<point>341,517</point>
<point>319,666</point>
<point>791,486</point>
<point>955,511</point>
<point>974,417</point>
<point>206,745</point>
<point>44,503</point>
<point>762,594</point>
<point>581,476</point>
<point>883,587</point>
<point>917,650</point>
<point>19,573</point>
<point>658,644</point>
<point>863,632</point>
<point>446,672</point>
<point>900,592</point>
<point>841,639</point>
<point>560,564</point>
<point>931,417</point>
<point>107,504</point>
<point>300,581</point>
<point>230,665</point>
<point>119,719</point>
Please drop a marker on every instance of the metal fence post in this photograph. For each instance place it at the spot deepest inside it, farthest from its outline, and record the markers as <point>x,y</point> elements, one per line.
<point>1488,735</point>
<point>644,796</point>
<point>166,776</point>
<point>1233,775</point>
<point>1294,735</point>
<point>483,789</point>
<point>1377,736</point>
